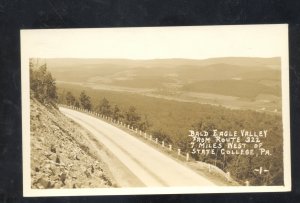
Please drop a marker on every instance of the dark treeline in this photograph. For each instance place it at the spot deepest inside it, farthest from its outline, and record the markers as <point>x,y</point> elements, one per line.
<point>129,116</point>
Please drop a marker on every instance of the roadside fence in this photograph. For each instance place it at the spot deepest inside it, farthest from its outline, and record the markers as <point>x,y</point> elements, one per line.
<point>183,156</point>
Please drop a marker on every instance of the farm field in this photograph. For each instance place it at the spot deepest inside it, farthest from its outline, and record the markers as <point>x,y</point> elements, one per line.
<point>236,83</point>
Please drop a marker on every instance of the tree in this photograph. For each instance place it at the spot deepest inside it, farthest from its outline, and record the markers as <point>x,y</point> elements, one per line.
<point>132,117</point>
<point>85,101</point>
<point>117,113</point>
<point>76,103</point>
<point>70,99</point>
<point>104,107</point>
<point>144,123</point>
<point>42,84</point>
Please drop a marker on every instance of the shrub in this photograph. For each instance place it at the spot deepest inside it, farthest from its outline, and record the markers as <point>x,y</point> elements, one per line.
<point>42,85</point>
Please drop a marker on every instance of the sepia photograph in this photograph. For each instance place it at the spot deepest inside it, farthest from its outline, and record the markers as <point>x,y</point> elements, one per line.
<point>155,110</point>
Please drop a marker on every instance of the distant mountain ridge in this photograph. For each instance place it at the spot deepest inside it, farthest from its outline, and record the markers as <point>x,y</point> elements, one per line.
<point>273,62</point>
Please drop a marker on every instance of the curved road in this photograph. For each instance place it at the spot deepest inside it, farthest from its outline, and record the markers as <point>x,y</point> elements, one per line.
<point>152,167</point>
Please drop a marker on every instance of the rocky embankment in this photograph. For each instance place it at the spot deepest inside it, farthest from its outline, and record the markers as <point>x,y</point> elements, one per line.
<point>61,156</point>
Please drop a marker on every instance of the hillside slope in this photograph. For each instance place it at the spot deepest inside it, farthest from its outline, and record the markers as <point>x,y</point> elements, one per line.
<point>60,152</point>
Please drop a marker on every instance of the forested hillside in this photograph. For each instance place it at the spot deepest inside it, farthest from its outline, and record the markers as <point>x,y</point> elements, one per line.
<point>171,121</point>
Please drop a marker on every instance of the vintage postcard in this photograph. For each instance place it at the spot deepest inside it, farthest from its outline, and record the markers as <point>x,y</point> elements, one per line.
<point>160,110</point>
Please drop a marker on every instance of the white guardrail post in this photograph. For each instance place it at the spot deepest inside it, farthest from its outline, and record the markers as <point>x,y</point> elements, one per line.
<point>187,156</point>
<point>228,176</point>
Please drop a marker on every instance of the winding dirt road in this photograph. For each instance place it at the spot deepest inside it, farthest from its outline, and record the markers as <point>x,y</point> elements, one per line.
<point>150,166</point>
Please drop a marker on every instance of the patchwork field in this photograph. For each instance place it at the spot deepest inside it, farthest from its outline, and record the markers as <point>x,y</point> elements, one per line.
<point>237,83</point>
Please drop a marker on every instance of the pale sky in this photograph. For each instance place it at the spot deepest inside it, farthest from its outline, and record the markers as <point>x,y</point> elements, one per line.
<point>161,42</point>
